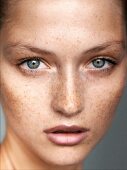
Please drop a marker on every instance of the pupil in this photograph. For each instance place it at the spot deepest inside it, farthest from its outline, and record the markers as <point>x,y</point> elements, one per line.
<point>98,63</point>
<point>33,64</point>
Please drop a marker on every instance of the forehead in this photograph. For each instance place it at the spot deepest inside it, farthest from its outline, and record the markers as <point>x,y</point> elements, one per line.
<point>71,21</point>
<point>62,11</point>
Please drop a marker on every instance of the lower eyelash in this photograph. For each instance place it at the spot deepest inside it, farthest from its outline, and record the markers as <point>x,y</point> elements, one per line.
<point>105,70</point>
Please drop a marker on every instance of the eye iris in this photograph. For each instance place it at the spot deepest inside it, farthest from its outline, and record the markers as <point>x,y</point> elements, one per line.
<point>33,64</point>
<point>98,63</point>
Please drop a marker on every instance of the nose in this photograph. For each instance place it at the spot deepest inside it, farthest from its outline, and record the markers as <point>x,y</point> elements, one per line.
<point>68,98</point>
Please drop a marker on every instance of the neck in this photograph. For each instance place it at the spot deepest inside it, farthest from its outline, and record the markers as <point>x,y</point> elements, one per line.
<point>20,157</point>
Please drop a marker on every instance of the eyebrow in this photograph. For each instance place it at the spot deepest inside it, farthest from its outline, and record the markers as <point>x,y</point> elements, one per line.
<point>29,47</point>
<point>104,46</point>
<point>96,49</point>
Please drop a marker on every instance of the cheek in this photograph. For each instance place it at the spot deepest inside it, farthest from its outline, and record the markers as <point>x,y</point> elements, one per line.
<point>22,101</point>
<point>102,104</point>
<point>16,104</point>
<point>24,110</point>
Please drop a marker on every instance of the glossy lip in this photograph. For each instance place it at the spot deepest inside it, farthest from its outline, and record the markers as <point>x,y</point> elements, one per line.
<point>66,135</point>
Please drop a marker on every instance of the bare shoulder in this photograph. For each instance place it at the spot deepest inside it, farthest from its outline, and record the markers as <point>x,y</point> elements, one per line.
<point>4,161</point>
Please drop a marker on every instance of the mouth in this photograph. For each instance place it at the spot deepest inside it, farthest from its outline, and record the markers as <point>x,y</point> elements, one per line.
<point>66,135</point>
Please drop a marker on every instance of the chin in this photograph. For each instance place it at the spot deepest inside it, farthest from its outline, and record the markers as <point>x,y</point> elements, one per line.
<point>65,156</point>
<point>65,160</point>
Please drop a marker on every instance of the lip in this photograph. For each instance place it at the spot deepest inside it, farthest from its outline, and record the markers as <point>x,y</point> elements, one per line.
<point>66,135</point>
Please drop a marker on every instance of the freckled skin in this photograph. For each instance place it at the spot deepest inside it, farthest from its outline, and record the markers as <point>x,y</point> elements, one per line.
<point>65,93</point>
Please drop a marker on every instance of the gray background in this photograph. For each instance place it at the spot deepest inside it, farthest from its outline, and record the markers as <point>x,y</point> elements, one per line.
<point>111,153</point>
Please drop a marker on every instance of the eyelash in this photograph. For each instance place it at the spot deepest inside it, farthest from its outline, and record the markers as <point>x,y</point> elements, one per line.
<point>110,62</point>
<point>25,60</point>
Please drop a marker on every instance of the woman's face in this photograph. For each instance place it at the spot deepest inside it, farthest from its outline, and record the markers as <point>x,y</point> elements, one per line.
<point>67,85</point>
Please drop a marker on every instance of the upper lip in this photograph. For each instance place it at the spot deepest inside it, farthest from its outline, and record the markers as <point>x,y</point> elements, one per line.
<point>65,128</point>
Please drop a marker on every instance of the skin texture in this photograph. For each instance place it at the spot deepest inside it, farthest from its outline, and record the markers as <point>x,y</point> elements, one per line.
<point>66,88</point>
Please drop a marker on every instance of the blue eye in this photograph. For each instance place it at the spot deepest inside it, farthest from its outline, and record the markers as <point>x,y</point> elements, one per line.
<point>98,63</point>
<point>33,64</point>
<point>101,63</point>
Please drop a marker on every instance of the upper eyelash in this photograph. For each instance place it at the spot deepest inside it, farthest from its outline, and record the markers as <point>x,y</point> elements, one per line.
<point>23,60</point>
<point>39,58</point>
<point>106,59</point>
<point>104,70</point>
<point>111,61</point>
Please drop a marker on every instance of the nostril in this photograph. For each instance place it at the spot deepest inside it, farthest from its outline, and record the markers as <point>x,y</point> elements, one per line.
<point>67,111</point>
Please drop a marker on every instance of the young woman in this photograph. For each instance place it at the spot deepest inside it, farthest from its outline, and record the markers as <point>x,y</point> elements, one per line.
<point>63,71</point>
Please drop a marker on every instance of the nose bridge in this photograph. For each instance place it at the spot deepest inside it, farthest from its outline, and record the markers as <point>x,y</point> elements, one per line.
<point>68,98</point>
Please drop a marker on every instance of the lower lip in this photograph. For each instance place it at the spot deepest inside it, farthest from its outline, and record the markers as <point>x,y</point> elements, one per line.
<point>67,139</point>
